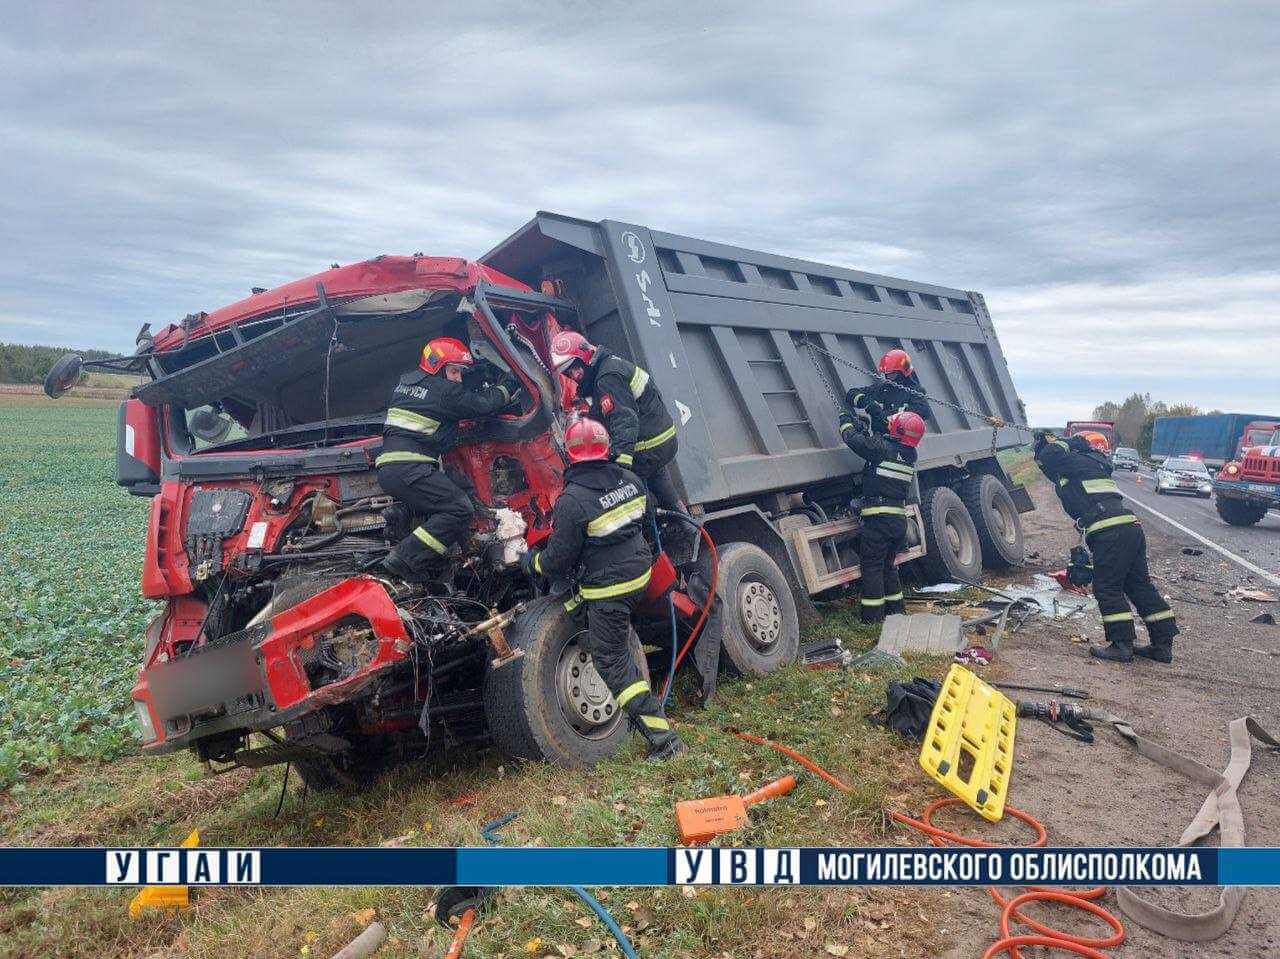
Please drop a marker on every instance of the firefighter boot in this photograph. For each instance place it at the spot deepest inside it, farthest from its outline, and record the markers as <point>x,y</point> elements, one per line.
<point>1117,651</point>
<point>646,715</point>
<point>1159,652</point>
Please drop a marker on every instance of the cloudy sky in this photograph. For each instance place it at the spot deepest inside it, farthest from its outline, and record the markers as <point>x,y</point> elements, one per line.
<point>1106,174</point>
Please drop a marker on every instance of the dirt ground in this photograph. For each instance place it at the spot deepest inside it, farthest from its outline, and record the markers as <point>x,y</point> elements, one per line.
<point>1104,794</point>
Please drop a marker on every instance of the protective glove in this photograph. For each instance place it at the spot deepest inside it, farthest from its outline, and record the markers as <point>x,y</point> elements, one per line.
<point>526,563</point>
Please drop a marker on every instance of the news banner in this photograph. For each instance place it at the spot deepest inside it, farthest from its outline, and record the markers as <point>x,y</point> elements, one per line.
<point>636,866</point>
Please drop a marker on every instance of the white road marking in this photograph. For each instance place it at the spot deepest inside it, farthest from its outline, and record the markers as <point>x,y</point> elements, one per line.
<point>1238,560</point>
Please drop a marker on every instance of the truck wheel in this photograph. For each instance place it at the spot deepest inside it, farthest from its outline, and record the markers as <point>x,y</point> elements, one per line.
<point>995,518</point>
<point>551,705</point>
<point>1239,513</point>
<point>760,628</point>
<point>954,553</point>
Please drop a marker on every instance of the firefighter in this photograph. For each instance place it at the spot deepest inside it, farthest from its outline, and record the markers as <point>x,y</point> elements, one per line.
<point>422,425</point>
<point>889,467</point>
<point>625,400</point>
<point>597,539</point>
<point>1081,473</point>
<point>878,402</point>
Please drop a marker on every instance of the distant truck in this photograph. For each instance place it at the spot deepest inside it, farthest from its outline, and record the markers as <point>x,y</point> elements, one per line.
<point>1249,485</point>
<point>1105,427</point>
<point>1216,438</point>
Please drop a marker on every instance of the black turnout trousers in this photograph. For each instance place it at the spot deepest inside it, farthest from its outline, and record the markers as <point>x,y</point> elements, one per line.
<point>651,466</point>
<point>1121,577</point>
<point>608,629</point>
<point>883,537</point>
<point>445,508</point>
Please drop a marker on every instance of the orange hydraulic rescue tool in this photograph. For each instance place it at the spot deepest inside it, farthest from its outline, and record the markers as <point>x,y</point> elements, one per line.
<point>701,820</point>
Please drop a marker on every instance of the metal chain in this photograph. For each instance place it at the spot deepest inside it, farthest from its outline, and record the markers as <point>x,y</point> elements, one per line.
<point>995,421</point>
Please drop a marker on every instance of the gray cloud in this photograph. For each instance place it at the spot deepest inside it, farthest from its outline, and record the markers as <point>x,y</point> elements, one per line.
<point>1105,173</point>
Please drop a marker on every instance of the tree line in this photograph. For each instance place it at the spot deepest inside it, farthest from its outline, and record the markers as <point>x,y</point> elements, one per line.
<point>1135,418</point>
<point>21,363</point>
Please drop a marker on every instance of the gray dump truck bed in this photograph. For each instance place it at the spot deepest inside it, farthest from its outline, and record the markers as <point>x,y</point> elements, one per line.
<point>722,330</point>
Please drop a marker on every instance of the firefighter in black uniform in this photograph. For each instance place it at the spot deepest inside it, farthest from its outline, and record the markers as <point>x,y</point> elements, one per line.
<point>597,539</point>
<point>625,400</point>
<point>878,402</point>
<point>1081,474</point>
<point>422,425</point>
<point>890,466</point>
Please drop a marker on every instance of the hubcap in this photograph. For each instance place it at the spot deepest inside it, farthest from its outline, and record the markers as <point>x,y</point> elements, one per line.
<point>761,614</point>
<point>961,544</point>
<point>584,698</point>
<point>1005,527</point>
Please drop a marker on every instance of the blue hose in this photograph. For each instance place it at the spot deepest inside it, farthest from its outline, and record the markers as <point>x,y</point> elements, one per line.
<point>490,834</point>
<point>627,949</point>
<point>675,642</point>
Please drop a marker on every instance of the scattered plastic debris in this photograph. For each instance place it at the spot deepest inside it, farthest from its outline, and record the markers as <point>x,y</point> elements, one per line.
<point>1053,601</point>
<point>1252,595</point>
<point>941,588</point>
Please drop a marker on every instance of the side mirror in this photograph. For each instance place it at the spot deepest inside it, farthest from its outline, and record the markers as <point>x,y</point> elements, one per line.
<point>63,375</point>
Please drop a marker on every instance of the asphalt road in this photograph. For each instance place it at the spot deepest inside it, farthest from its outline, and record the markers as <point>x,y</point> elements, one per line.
<point>1259,545</point>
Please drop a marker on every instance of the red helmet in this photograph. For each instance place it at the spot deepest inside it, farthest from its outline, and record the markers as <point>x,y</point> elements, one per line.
<point>586,439</point>
<point>906,427</point>
<point>895,361</point>
<point>442,351</point>
<point>568,347</point>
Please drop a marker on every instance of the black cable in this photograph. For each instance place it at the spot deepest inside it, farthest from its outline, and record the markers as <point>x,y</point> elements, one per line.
<point>283,786</point>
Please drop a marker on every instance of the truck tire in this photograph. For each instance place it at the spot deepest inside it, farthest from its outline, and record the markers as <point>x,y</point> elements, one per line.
<point>1239,513</point>
<point>954,552</point>
<point>528,702</point>
<point>995,518</point>
<point>759,624</point>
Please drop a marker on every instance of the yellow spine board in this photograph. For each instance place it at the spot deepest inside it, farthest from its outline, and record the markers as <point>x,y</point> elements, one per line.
<point>968,747</point>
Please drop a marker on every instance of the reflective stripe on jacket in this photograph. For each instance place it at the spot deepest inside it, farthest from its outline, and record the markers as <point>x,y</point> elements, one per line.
<point>424,410</point>
<point>597,534</point>
<point>625,400</point>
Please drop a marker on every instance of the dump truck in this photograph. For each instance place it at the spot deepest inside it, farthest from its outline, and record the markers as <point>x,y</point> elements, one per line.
<point>256,428</point>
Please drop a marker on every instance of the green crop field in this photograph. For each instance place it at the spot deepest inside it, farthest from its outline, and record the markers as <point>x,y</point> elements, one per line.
<point>71,617</point>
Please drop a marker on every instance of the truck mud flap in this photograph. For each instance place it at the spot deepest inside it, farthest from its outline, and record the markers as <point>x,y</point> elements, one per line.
<point>1021,498</point>
<point>968,747</point>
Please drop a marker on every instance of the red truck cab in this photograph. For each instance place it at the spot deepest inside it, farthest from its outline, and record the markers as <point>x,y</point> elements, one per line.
<point>255,435</point>
<point>1248,487</point>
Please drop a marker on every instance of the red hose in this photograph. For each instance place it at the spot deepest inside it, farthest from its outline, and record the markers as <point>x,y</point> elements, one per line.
<point>1048,936</point>
<point>702,617</point>
<point>460,934</point>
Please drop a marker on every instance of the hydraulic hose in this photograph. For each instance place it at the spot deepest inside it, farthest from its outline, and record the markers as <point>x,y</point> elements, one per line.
<point>490,834</point>
<point>671,609</point>
<point>706,607</point>
<point>1047,935</point>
